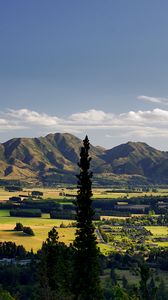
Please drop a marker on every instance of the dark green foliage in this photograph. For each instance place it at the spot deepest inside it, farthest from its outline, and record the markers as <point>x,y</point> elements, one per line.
<point>25,229</point>
<point>25,213</point>
<point>162,292</point>
<point>124,282</point>
<point>145,274</point>
<point>55,270</point>
<point>119,293</point>
<point>113,276</point>
<point>13,188</point>
<point>15,199</point>
<point>64,214</point>
<point>147,289</point>
<point>163,219</point>
<point>87,283</point>
<point>18,227</point>
<point>45,206</point>
<point>37,193</point>
<point>28,230</point>
<point>11,250</point>
<point>19,280</point>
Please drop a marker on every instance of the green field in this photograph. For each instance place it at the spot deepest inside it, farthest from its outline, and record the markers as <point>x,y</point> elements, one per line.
<point>40,226</point>
<point>159,231</point>
<point>133,277</point>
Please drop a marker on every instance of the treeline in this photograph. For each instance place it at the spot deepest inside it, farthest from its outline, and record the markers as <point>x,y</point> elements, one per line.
<point>31,213</point>
<point>11,250</point>
<point>117,207</point>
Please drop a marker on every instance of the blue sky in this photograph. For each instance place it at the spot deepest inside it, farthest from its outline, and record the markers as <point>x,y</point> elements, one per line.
<point>95,67</point>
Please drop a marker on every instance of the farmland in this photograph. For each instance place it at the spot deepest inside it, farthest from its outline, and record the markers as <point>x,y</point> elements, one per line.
<point>116,238</point>
<point>130,227</point>
<point>98,193</point>
<point>40,226</point>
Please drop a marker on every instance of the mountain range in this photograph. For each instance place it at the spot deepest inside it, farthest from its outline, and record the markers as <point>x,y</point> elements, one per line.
<point>53,160</point>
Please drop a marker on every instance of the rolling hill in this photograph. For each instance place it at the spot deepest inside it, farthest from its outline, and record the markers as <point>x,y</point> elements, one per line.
<point>53,160</point>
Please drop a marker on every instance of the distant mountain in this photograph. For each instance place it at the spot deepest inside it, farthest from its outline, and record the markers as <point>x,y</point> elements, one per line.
<point>135,158</point>
<point>53,159</point>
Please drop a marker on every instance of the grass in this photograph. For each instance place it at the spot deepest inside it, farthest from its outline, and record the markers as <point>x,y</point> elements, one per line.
<point>4,213</point>
<point>134,278</point>
<point>105,248</point>
<point>158,230</point>
<point>129,275</point>
<point>66,235</point>
<point>40,226</point>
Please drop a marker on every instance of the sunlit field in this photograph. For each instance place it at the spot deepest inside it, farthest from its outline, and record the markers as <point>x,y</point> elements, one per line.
<point>40,226</point>
<point>60,193</point>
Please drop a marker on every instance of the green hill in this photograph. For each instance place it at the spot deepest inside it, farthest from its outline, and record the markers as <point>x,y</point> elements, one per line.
<point>135,158</point>
<point>53,159</point>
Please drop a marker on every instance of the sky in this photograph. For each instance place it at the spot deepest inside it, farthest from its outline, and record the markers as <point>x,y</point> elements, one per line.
<point>96,67</point>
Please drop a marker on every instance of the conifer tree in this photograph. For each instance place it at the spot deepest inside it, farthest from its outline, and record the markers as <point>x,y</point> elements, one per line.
<point>87,282</point>
<point>55,269</point>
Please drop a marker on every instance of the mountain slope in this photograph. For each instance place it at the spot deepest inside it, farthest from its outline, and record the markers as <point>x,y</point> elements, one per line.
<point>53,159</point>
<point>135,158</point>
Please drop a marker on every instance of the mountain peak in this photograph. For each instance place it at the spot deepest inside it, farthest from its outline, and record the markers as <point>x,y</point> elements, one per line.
<point>53,159</point>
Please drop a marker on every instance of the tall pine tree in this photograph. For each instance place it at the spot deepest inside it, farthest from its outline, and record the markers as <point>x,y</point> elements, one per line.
<point>87,282</point>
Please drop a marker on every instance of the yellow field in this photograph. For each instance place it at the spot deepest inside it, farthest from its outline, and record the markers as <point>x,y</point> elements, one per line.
<point>66,235</point>
<point>40,226</point>
<point>105,248</point>
<point>158,230</point>
<point>47,193</point>
<point>97,193</point>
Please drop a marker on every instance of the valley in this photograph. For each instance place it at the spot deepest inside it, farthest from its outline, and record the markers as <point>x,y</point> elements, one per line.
<point>122,216</point>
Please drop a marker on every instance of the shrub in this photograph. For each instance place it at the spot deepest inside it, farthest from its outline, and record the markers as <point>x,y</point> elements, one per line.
<point>28,230</point>
<point>18,227</point>
<point>65,214</point>
<point>15,199</point>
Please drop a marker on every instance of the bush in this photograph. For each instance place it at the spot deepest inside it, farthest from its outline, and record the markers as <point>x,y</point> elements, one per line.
<point>15,199</point>
<point>37,193</point>
<point>28,230</point>
<point>65,214</point>
<point>18,227</point>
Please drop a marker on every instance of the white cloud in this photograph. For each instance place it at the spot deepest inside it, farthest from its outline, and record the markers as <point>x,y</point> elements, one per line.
<point>140,123</point>
<point>91,116</point>
<point>8,125</point>
<point>157,100</point>
<point>33,117</point>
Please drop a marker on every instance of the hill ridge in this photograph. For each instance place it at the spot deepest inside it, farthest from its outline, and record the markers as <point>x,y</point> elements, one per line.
<point>53,158</point>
